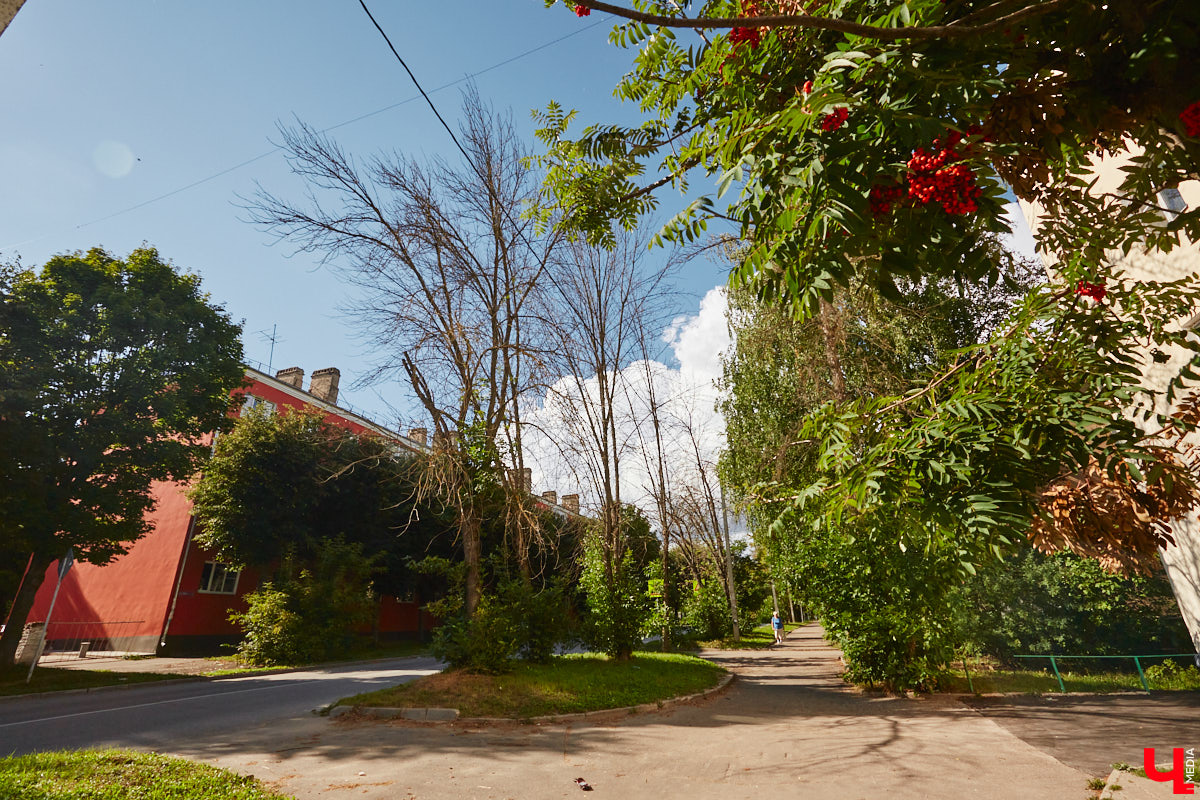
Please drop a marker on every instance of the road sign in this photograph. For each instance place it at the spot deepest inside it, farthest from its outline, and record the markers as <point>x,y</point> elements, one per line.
<point>64,565</point>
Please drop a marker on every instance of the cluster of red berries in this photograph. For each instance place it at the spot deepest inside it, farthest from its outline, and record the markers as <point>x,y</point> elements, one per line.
<point>953,187</point>
<point>751,35</point>
<point>835,119</point>
<point>582,11</point>
<point>1096,291</point>
<point>884,196</point>
<point>1190,117</point>
<point>939,175</point>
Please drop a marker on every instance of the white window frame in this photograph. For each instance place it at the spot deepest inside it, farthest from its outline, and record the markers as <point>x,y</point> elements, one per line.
<point>1172,203</point>
<point>253,401</point>
<point>219,569</point>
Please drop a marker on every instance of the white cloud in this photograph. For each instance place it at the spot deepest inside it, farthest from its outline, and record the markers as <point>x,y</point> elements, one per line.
<point>687,397</point>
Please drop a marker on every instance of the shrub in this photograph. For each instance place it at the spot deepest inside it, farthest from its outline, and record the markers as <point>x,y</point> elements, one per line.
<point>894,647</point>
<point>538,615</point>
<point>617,603</point>
<point>484,643</point>
<point>706,610</point>
<point>517,621</point>
<point>1064,603</point>
<point>308,615</point>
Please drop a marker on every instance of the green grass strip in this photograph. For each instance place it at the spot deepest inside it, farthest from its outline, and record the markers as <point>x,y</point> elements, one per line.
<point>1042,682</point>
<point>567,685</point>
<point>48,679</point>
<point>758,638</point>
<point>122,775</point>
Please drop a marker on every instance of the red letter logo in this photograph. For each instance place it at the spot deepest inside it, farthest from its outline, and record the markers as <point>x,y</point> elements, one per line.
<point>1177,773</point>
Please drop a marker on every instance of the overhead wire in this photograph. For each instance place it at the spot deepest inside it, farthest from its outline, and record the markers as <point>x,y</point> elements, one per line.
<point>336,126</point>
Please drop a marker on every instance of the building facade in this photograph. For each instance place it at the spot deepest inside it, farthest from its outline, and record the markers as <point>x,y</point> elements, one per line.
<point>169,596</point>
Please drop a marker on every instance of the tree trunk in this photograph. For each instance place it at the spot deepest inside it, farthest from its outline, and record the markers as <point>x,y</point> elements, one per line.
<point>22,605</point>
<point>472,528</point>
<point>832,335</point>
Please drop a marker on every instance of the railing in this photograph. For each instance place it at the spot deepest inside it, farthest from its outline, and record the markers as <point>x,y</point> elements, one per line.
<point>1056,660</point>
<point>71,641</point>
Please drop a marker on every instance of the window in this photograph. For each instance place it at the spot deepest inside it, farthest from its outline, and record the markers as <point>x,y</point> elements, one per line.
<point>254,402</point>
<point>1172,203</point>
<point>219,578</point>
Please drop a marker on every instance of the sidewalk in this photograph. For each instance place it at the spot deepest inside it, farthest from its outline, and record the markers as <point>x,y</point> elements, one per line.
<point>788,726</point>
<point>165,666</point>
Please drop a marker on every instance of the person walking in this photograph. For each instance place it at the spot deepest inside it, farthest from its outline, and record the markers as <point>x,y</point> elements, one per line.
<point>777,626</point>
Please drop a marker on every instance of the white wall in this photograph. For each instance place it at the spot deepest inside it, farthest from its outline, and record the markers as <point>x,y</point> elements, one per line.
<point>1183,560</point>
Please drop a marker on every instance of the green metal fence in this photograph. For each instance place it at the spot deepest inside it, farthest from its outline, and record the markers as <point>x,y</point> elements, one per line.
<point>1055,661</point>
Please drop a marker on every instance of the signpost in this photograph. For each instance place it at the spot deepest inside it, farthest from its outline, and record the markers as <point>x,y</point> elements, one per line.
<point>64,566</point>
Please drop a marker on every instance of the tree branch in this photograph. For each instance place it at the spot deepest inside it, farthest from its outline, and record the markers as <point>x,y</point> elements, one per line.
<point>952,30</point>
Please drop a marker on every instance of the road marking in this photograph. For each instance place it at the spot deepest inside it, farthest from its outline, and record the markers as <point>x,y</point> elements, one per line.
<point>163,702</point>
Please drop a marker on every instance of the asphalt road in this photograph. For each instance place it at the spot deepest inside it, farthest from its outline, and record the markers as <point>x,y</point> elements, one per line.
<point>168,715</point>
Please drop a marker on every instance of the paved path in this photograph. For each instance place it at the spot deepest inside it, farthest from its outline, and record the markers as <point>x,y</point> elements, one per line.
<point>788,727</point>
<point>1090,732</point>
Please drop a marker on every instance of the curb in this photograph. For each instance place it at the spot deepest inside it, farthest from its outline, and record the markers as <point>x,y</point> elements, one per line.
<point>443,715</point>
<point>112,687</point>
<point>412,714</point>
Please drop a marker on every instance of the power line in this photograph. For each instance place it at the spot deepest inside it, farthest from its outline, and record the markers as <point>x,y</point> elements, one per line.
<point>470,162</point>
<point>344,123</point>
<point>417,83</point>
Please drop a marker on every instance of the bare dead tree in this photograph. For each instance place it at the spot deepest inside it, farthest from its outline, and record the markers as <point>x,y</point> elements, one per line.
<point>598,303</point>
<point>698,502</point>
<point>447,269</point>
<point>647,406</point>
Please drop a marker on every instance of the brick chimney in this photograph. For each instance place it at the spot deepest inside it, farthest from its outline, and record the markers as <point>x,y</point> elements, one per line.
<point>522,478</point>
<point>324,384</point>
<point>419,435</point>
<point>550,497</point>
<point>571,503</point>
<point>293,376</point>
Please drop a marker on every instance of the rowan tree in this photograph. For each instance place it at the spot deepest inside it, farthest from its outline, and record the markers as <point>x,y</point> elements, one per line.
<point>871,144</point>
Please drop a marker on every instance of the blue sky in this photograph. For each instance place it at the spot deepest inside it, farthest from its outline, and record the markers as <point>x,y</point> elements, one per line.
<point>139,121</point>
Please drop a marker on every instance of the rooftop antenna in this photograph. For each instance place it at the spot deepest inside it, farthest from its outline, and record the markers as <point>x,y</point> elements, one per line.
<point>272,339</point>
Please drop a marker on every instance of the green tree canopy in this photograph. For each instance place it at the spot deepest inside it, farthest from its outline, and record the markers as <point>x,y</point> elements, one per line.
<point>112,373</point>
<point>288,483</point>
<point>870,140</point>
<point>870,143</point>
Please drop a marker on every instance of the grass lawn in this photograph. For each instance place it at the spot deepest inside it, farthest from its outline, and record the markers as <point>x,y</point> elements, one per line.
<point>120,774</point>
<point>48,679</point>
<point>568,684</point>
<point>757,638</point>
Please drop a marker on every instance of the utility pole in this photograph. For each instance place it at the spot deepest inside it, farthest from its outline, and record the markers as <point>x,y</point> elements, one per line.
<point>64,566</point>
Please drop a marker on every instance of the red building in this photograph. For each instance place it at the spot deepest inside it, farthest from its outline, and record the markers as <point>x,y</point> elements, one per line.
<point>169,596</point>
